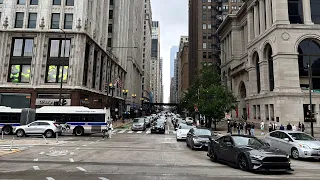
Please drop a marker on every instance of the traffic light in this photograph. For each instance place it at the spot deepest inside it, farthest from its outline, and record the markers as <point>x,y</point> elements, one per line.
<point>64,102</point>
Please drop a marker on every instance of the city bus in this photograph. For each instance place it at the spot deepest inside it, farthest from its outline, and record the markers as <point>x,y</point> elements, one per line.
<point>79,120</point>
<point>9,119</point>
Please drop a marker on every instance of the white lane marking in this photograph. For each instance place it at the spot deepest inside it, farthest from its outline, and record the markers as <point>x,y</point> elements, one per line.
<point>81,169</point>
<point>52,148</point>
<point>87,138</point>
<point>148,132</point>
<point>71,153</point>
<point>50,178</point>
<point>84,145</point>
<point>115,130</point>
<point>35,159</point>
<point>130,132</point>
<point>120,132</point>
<point>77,148</point>
<point>41,153</point>
<point>71,160</point>
<point>102,178</point>
<point>36,168</point>
<point>91,143</point>
<point>139,132</point>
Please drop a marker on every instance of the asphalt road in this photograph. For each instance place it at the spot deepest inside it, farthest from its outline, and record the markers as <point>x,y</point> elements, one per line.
<point>126,156</point>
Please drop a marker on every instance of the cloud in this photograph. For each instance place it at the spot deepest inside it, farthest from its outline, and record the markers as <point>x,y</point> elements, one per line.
<point>173,18</point>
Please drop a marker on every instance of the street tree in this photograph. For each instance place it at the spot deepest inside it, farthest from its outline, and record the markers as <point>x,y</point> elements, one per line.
<point>211,97</point>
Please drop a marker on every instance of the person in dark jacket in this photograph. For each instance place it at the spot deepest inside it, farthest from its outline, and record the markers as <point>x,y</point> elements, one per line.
<point>302,127</point>
<point>289,127</point>
<point>281,127</point>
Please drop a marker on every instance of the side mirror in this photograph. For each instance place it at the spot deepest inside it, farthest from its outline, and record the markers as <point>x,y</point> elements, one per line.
<point>286,139</point>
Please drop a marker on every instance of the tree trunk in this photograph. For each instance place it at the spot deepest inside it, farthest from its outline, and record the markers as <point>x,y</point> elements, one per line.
<point>210,122</point>
<point>215,124</point>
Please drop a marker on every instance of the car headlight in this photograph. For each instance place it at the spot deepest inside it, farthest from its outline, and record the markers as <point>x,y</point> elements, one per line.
<point>196,140</point>
<point>256,156</point>
<point>304,146</point>
<point>152,127</point>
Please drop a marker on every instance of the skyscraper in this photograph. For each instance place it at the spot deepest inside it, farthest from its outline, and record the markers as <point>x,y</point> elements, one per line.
<point>155,58</point>
<point>173,52</point>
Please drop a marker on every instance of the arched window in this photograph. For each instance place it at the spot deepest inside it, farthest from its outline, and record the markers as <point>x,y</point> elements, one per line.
<point>268,55</point>
<point>309,53</point>
<point>295,11</point>
<point>256,60</point>
<point>315,13</point>
<point>243,91</point>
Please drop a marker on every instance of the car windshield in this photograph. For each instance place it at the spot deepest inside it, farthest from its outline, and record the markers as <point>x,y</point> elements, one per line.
<point>301,137</point>
<point>247,141</point>
<point>185,127</point>
<point>138,121</point>
<point>202,132</point>
<point>159,123</point>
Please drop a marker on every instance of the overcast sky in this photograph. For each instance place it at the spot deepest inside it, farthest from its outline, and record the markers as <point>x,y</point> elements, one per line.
<point>173,18</point>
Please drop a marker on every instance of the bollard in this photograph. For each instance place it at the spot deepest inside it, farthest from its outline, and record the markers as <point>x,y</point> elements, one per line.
<point>1,135</point>
<point>57,137</point>
<point>45,139</point>
<point>11,144</point>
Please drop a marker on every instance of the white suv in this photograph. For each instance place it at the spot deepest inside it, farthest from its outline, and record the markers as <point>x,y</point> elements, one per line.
<point>47,128</point>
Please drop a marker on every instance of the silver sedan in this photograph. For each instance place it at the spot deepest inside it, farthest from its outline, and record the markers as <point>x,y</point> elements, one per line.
<point>295,143</point>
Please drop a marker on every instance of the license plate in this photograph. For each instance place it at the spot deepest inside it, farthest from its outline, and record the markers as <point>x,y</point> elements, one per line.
<point>157,130</point>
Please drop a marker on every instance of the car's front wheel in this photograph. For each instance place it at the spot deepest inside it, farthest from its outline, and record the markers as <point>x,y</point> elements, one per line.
<point>79,131</point>
<point>20,133</point>
<point>212,155</point>
<point>243,163</point>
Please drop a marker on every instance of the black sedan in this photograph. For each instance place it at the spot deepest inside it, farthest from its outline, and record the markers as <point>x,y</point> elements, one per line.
<point>158,127</point>
<point>198,138</point>
<point>248,153</point>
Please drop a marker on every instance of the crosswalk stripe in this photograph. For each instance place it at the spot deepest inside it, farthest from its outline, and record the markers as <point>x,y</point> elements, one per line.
<point>148,132</point>
<point>115,130</point>
<point>130,132</point>
<point>139,132</point>
<point>120,132</point>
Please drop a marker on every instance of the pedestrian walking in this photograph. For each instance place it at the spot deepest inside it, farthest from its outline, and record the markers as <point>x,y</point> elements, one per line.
<point>238,128</point>
<point>302,127</point>
<point>241,128</point>
<point>281,127</point>
<point>262,127</point>
<point>289,127</point>
<point>270,127</point>
<point>228,126</point>
<point>294,128</point>
<point>248,129</point>
<point>299,127</point>
<point>252,129</point>
<point>110,129</point>
<point>235,126</point>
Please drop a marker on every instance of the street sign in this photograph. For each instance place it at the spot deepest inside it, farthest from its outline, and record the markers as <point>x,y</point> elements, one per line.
<point>227,116</point>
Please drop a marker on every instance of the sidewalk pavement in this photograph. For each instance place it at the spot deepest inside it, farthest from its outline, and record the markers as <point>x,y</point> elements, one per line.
<point>120,123</point>
<point>258,132</point>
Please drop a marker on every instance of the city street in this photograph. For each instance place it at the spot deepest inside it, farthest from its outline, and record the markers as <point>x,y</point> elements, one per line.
<point>126,156</point>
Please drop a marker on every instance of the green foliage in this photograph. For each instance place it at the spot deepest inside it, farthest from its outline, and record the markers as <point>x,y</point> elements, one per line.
<point>214,99</point>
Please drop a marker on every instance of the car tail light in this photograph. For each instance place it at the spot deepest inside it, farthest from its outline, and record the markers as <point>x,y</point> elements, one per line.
<point>57,125</point>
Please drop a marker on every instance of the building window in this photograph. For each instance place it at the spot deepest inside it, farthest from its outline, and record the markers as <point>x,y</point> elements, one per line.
<point>204,45</point>
<point>295,11</point>
<point>33,2</point>
<point>315,13</point>
<point>209,26</point>
<point>55,21</point>
<point>58,61</point>
<point>32,21</point>
<point>56,2</point>
<point>268,52</point>
<point>86,63</point>
<point>69,2</point>
<point>110,14</point>
<point>204,55</point>
<point>204,7</point>
<point>204,26</point>
<point>257,66</point>
<point>19,20</point>
<point>204,17</point>
<point>68,20</point>
<point>21,2</point>
<point>309,53</point>
<point>109,43</point>
<point>20,62</point>
<point>94,72</point>
<point>101,73</point>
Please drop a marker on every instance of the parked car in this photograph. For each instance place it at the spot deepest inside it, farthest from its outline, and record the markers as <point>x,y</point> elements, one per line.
<point>138,124</point>
<point>198,138</point>
<point>183,131</point>
<point>295,143</point>
<point>248,153</point>
<point>47,128</point>
<point>158,127</point>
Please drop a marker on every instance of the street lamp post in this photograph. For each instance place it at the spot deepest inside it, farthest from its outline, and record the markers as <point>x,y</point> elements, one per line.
<point>141,99</point>
<point>125,93</point>
<point>310,90</point>
<point>133,99</point>
<point>111,88</point>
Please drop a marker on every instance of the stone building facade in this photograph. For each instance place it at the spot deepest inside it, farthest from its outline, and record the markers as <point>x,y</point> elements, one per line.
<point>265,48</point>
<point>39,41</point>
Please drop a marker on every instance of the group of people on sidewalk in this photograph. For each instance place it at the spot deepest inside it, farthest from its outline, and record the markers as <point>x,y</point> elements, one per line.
<point>248,128</point>
<point>289,127</point>
<point>241,128</point>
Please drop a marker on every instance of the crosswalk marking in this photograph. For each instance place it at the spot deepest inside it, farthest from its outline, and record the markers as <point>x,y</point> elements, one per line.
<point>120,132</point>
<point>139,132</point>
<point>130,132</point>
<point>148,132</point>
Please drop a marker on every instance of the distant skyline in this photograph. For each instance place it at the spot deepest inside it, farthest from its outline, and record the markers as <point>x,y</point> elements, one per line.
<point>173,18</point>
<point>173,53</point>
